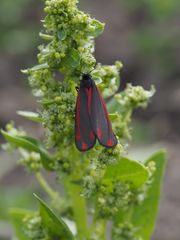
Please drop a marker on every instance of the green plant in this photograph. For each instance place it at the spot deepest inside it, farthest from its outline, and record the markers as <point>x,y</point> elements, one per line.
<point>101,185</point>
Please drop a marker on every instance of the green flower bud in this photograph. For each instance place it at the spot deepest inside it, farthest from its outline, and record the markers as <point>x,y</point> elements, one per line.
<point>33,228</point>
<point>134,97</point>
<point>125,231</point>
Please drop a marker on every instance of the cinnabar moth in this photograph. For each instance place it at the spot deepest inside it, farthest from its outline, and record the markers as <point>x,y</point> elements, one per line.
<point>92,120</point>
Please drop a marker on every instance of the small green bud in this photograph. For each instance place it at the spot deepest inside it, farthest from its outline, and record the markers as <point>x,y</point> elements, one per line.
<point>125,231</point>
<point>33,228</point>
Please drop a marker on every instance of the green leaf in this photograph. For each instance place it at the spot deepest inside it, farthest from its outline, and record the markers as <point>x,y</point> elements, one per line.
<point>144,215</point>
<point>114,106</point>
<point>61,34</point>
<point>32,140</point>
<point>46,37</point>
<point>29,144</point>
<point>73,58</point>
<point>128,170</point>
<point>55,226</point>
<point>16,216</point>
<point>30,115</point>
<point>20,141</point>
<point>97,28</point>
<point>39,67</point>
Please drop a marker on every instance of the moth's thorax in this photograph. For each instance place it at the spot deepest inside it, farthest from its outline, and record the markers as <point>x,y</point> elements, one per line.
<point>86,81</point>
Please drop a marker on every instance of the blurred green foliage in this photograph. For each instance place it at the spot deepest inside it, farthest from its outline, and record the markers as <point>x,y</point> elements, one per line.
<point>156,34</point>
<point>18,29</point>
<point>18,197</point>
<point>157,8</point>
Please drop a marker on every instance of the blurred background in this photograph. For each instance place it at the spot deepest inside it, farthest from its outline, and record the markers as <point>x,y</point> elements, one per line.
<point>145,36</point>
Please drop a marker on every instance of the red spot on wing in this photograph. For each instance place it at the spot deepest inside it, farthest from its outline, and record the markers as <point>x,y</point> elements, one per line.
<point>110,143</point>
<point>84,146</point>
<point>99,133</point>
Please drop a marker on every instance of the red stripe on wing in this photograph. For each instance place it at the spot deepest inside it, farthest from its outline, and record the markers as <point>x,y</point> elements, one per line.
<point>100,120</point>
<point>84,136</point>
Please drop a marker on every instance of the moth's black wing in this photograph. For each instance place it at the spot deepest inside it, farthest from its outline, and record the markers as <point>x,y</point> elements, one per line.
<point>84,135</point>
<point>100,121</point>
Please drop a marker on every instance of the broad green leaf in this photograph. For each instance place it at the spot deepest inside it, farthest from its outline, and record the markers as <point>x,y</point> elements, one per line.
<point>29,144</point>
<point>144,215</point>
<point>97,28</point>
<point>32,140</point>
<point>30,115</point>
<point>55,226</point>
<point>16,216</point>
<point>20,141</point>
<point>128,170</point>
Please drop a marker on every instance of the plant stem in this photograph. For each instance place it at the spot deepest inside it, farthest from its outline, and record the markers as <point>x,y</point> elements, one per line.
<point>45,185</point>
<point>79,210</point>
<point>102,229</point>
<point>98,225</point>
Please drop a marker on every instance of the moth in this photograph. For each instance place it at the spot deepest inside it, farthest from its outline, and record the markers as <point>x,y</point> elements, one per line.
<point>91,117</point>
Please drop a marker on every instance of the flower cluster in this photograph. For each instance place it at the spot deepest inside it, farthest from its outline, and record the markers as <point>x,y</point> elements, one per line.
<point>69,50</point>
<point>125,231</point>
<point>110,156</point>
<point>126,101</point>
<point>113,196</point>
<point>108,78</point>
<point>134,96</point>
<point>33,228</point>
<point>28,158</point>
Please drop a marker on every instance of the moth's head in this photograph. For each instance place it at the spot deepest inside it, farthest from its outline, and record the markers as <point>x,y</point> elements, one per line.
<point>86,81</point>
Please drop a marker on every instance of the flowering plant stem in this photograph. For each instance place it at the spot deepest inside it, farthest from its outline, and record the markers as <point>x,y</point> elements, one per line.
<point>79,209</point>
<point>102,185</point>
